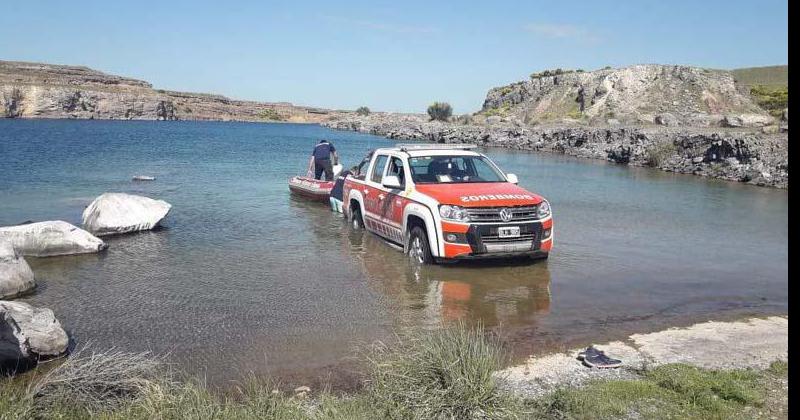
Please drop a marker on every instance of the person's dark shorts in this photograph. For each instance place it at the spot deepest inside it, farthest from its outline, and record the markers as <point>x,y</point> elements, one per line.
<point>323,165</point>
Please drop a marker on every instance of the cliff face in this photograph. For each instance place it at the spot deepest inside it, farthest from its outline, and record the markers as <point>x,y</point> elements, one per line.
<point>32,90</point>
<point>743,155</point>
<point>641,94</point>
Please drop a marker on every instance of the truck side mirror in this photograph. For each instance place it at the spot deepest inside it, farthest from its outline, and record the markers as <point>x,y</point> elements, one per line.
<point>392,182</point>
<point>512,178</point>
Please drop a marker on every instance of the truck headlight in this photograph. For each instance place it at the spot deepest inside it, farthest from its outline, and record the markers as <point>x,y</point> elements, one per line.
<point>543,210</point>
<point>458,214</point>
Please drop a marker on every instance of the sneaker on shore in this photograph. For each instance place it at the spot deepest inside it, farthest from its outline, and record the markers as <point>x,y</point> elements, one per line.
<point>593,357</point>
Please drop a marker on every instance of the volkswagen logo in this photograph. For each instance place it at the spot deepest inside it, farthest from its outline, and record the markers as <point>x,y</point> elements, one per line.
<point>506,215</point>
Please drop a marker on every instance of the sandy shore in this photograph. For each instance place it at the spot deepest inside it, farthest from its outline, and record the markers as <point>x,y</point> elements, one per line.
<point>753,343</point>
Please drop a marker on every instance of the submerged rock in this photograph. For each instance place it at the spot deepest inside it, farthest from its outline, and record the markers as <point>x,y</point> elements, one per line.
<point>114,213</point>
<point>16,276</point>
<point>28,334</point>
<point>45,239</point>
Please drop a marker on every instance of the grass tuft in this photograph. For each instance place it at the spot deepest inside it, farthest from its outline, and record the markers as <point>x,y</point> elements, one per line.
<point>99,381</point>
<point>440,374</point>
<point>659,153</point>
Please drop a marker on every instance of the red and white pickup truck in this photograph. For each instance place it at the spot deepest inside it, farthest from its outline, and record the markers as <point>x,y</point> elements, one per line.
<point>442,202</point>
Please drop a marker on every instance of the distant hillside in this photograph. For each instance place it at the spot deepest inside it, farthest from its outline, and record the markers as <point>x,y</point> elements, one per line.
<point>35,90</point>
<point>641,94</point>
<point>773,76</point>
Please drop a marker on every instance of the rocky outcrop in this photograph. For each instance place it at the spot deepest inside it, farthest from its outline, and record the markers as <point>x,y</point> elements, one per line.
<point>45,239</point>
<point>738,155</point>
<point>16,276</point>
<point>652,93</point>
<point>28,334</point>
<point>33,90</point>
<point>115,213</point>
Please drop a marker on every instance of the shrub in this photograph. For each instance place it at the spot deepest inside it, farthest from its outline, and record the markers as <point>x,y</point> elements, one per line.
<point>363,111</point>
<point>772,99</point>
<point>658,153</point>
<point>444,374</point>
<point>270,114</point>
<point>440,111</point>
<point>548,73</point>
<point>505,90</point>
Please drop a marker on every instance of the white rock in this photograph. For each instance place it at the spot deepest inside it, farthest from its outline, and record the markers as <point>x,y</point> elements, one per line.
<point>666,119</point>
<point>732,121</point>
<point>16,276</point>
<point>755,120</point>
<point>28,333</point>
<point>45,239</point>
<point>114,213</point>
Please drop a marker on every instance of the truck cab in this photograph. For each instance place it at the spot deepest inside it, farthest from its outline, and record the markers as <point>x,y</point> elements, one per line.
<point>447,202</point>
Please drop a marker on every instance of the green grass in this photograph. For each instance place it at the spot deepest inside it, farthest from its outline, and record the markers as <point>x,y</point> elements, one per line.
<point>773,76</point>
<point>674,391</point>
<point>444,374</point>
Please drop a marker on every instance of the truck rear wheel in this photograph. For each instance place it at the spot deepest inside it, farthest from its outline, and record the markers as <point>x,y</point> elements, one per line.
<point>419,250</point>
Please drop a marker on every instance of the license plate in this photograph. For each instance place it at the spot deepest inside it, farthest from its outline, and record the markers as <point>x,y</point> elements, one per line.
<point>508,232</point>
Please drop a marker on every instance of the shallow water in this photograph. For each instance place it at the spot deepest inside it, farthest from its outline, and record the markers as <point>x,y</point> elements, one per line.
<point>246,278</point>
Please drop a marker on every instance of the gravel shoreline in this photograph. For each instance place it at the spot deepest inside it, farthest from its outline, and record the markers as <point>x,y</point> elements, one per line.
<point>752,343</point>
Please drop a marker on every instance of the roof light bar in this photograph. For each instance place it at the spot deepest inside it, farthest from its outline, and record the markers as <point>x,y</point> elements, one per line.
<point>434,146</point>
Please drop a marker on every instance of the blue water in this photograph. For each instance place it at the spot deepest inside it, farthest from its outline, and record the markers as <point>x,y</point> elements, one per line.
<point>246,278</point>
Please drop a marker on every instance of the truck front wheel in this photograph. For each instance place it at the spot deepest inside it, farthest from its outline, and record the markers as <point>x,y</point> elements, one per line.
<point>419,250</point>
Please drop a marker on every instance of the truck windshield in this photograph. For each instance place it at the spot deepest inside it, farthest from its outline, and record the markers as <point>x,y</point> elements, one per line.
<point>453,170</point>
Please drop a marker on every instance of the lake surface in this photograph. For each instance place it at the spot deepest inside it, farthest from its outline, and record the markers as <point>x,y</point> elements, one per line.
<point>246,278</point>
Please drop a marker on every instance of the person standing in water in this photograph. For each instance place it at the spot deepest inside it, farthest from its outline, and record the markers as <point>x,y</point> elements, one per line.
<point>323,154</point>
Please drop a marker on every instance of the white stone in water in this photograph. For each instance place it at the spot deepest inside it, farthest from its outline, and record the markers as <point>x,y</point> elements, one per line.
<point>45,239</point>
<point>34,331</point>
<point>115,213</point>
<point>16,276</point>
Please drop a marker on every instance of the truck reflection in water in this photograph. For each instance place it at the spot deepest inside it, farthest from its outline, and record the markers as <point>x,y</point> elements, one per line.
<point>505,292</point>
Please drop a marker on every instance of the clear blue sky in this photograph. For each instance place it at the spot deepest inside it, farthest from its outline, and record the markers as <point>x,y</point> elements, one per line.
<point>393,55</point>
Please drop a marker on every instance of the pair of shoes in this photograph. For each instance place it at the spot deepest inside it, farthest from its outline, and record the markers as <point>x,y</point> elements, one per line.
<point>593,357</point>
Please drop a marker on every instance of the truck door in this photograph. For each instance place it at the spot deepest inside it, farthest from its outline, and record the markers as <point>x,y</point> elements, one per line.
<point>374,194</point>
<point>394,203</point>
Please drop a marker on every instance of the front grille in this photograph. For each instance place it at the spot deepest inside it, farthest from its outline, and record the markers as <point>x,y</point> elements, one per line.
<point>492,214</point>
<point>485,238</point>
<point>497,239</point>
